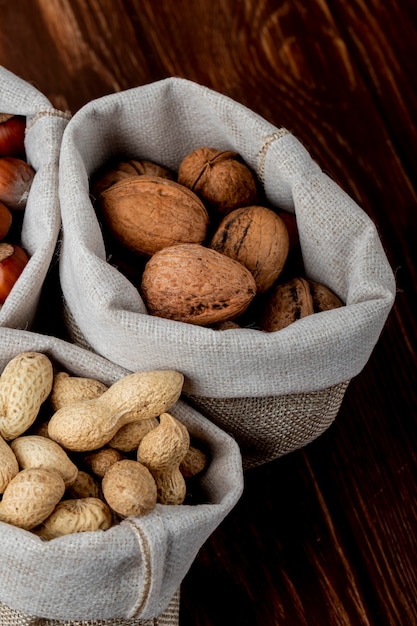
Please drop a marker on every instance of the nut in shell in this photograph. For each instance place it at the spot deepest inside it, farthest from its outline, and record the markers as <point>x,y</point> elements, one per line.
<point>30,497</point>
<point>287,303</point>
<point>67,389</point>
<point>257,237</point>
<point>195,284</point>
<point>219,177</point>
<point>324,299</point>
<point>148,213</point>
<point>75,516</point>
<point>121,169</point>
<point>38,451</point>
<point>129,488</point>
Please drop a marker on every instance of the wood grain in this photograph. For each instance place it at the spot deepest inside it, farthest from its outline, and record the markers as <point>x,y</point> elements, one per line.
<point>326,535</point>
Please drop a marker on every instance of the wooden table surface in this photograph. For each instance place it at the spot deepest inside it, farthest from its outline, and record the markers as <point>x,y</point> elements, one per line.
<point>325,536</point>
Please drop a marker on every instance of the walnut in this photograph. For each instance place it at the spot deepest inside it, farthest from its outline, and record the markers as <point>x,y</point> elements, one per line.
<point>287,302</point>
<point>324,299</point>
<point>148,213</point>
<point>257,237</point>
<point>219,178</point>
<point>118,170</point>
<point>195,284</point>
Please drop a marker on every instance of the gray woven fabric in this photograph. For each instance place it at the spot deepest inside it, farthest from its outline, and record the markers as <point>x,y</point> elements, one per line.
<point>133,570</point>
<point>42,218</point>
<point>163,121</point>
<point>267,428</point>
<point>170,617</point>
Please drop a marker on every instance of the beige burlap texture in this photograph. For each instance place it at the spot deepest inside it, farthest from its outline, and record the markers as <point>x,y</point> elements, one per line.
<point>42,218</point>
<point>129,575</point>
<point>274,392</point>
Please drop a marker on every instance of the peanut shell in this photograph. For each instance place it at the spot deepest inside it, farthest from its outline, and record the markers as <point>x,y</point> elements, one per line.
<point>67,389</point>
<point>38,451</point>
<point>25,384</point>
<point>129,488</point>
<point>75,516</point>
<point>195,284</point>
<point>30,497</point>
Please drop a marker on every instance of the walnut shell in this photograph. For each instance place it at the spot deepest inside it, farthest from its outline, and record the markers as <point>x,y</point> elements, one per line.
<point>119,170</point>
<point>324,299</point>
<point>287,303</point>
<point>258,238</point>
<point>148,213</point>
<point>194,284</point>
<point>219,178</point>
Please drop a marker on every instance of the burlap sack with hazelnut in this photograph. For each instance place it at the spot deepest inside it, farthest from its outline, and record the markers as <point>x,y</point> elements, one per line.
<point>128,573</point>
<point>36,216</point>
<point>274,391</point>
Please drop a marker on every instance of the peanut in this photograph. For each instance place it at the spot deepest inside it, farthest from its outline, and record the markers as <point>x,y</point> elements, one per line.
<point>67,389</point>
<point>84,486</point>
<point>38,451</point>
<point>101,460</point>
<point>129,436</point>
<point>9,466</point>
<point>129,489</point>
<point>194,462</point>
<point>25,384</point>
<point>31,496</point>
<point>75,516</point>
<point>90,424</point>
<point>161,451</point>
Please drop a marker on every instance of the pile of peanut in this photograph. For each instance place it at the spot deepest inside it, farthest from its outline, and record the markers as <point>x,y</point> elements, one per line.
<point>203,246</point>
<point>77,455</point>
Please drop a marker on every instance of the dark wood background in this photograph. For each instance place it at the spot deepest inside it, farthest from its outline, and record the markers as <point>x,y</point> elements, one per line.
<point>325,536</point>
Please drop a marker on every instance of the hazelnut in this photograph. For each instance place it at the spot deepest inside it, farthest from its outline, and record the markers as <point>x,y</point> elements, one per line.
<point>16,178</point>
<point>219,178</point>
<point>12,135</point>
<point>13,259</point>
<point>5,220</point>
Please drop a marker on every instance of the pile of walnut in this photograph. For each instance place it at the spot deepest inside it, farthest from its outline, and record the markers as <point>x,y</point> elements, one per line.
<point>200,244</point>
<point>16,177</point>
<point>77,455</point>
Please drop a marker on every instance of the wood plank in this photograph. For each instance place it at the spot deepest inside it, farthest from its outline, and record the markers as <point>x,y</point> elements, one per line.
<point>325,535</point>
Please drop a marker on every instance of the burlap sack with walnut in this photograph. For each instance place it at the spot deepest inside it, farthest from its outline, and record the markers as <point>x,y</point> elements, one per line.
<point>130,574</point>
<point>42,219</point>
<point>274,392</point>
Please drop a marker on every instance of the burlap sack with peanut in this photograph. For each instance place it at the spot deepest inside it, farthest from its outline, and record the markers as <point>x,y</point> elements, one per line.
<point>42,219</point>
<point>275,392</point>
<point>129,574</point>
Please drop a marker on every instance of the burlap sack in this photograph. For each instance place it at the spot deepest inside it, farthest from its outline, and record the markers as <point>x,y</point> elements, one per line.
<point>274,392</point>
<point>42,220</point>
<point>129,575</point>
